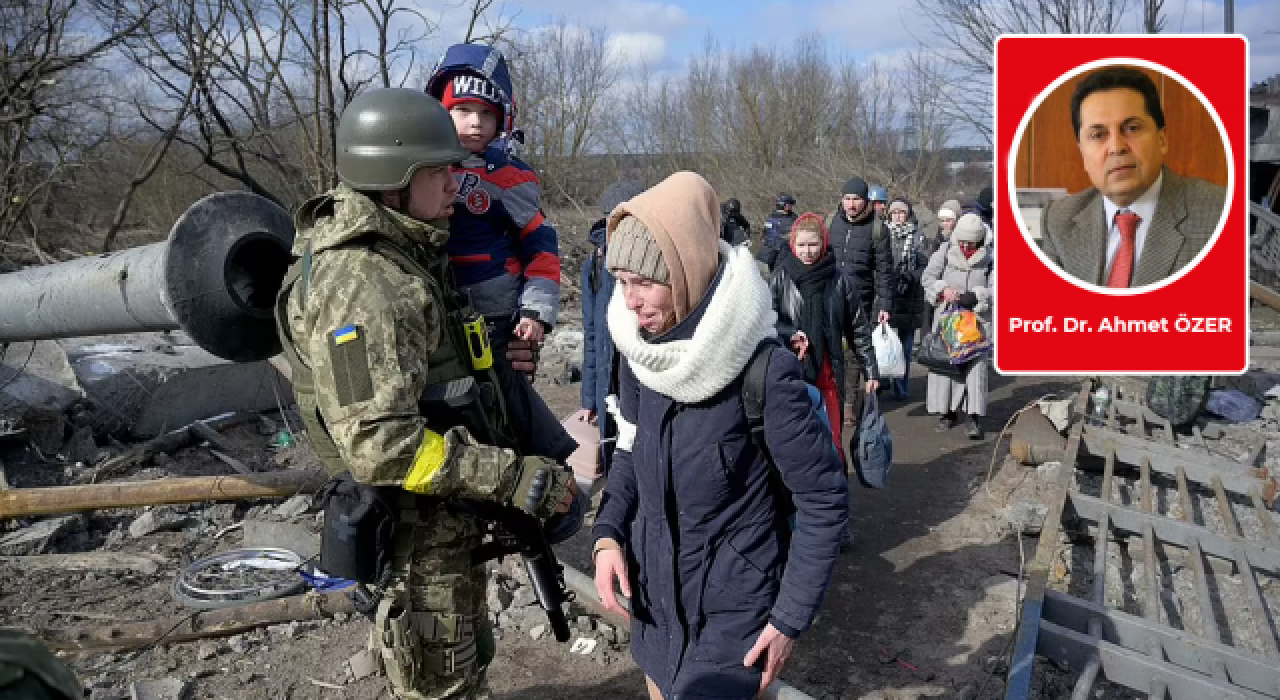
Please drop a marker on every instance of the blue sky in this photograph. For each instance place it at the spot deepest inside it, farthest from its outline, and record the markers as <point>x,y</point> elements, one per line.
<point>666,33</point>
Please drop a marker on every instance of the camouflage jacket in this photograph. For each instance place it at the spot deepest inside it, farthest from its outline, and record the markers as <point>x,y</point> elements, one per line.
<point>367,329</point>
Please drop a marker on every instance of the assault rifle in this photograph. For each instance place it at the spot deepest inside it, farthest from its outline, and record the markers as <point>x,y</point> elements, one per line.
<point>513,531</point>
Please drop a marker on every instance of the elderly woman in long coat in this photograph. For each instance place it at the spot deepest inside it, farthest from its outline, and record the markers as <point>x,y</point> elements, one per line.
<point>959,272</point>
<point>693,526</point>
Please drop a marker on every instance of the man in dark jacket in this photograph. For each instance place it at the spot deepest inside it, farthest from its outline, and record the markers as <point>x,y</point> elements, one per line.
<point>777,230</point>
<point>860,242</point>
<point>734,227</point>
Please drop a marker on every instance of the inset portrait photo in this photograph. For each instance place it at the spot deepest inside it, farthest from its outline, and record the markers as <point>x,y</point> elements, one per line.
<point>1121,176</point>
<point>1121,242</point>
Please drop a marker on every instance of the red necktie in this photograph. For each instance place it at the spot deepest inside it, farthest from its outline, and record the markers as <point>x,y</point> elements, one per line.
<point>1122,266</point>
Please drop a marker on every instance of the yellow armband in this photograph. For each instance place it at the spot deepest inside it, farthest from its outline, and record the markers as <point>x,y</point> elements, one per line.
<point>427,461</point>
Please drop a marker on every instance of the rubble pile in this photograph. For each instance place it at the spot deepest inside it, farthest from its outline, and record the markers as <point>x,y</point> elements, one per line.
<point>113,568</point>
<point>513,609</point>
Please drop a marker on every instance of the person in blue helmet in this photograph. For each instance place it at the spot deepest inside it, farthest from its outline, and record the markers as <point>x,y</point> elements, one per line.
<point>504,252</point>
<point>879,196</point>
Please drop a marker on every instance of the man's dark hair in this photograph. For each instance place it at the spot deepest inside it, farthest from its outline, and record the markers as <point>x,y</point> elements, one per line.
<point>1114,78</point>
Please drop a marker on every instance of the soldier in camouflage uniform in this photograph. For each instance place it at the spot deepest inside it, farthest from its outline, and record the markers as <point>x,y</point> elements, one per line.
<point>369,322</point>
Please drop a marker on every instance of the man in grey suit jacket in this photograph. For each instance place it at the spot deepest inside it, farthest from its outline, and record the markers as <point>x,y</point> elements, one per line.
<point>1119,127</point>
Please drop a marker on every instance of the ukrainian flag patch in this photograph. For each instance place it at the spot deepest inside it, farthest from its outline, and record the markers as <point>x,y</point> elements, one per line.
<point>346,334</point>
<point>349,362</point>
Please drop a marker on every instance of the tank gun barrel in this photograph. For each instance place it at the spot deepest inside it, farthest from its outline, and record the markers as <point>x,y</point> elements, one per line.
<point>215,277</point>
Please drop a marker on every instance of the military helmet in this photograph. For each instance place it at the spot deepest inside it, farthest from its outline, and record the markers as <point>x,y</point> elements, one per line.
<point>385,135</point>
<point>878,193</point>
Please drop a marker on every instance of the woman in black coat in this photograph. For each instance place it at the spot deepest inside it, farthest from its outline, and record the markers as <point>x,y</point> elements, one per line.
<point>910,256</point>
<point>817,309</point>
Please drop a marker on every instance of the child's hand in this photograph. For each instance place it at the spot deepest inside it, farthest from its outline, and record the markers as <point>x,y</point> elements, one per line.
<point>530,330</point>
<point>800,343</point>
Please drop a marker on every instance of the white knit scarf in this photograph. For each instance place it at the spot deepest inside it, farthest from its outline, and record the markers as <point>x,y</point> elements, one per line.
<point>738,316</point>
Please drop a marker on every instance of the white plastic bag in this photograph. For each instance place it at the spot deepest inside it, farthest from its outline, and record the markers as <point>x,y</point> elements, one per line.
<point>889,357</point>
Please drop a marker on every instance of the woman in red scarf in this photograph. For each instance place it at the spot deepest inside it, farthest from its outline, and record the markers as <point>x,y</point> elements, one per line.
<point>817,309</point>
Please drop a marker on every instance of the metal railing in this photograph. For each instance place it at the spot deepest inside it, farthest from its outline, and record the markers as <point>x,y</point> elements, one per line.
<point>1164,651</point>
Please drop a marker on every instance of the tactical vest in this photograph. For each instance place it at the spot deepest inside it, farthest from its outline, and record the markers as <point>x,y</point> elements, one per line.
<point>449,363</point>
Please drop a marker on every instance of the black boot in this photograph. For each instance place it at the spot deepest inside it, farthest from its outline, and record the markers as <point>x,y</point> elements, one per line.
<point>947,421</point>
<point>972,428</point>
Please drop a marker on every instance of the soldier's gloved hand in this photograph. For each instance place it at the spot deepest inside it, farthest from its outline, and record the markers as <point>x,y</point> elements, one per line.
<point>565,524</point>
<point>523,356</point>
<point>543,488</point>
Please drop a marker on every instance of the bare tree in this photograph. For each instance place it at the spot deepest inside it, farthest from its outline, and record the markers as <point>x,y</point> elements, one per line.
<point>51,113</point>
<point>1153,16</point>
<point>389,50</point>
<point>562,76</point>
<point>269,82</point>
<point>151,162</point>
<point>497,25</point>
<point>763,120</point>
<point>967,32</point>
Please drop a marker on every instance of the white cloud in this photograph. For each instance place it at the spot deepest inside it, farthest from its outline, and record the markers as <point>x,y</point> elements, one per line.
<point>632,49</point>
<point>617,15</point>
<point>871,26</point>
<point>650,15</point>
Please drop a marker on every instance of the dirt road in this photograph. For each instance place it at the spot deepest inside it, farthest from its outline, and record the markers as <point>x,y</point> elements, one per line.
<point>924,604</point>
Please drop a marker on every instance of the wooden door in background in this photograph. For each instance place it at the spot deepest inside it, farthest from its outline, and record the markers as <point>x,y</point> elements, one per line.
<point>1048,155</point>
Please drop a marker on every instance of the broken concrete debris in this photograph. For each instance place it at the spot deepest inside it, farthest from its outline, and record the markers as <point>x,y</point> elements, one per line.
<point>147,383</point>
<point>40,391</point>
<point>296,505</point>
<point>162,689</point>
<point>158,519</point>
<point>294,537</point>
<point>138,385</point>
<point>37,538</point>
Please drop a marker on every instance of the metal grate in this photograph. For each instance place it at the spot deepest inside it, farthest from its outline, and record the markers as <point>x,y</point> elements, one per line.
<point>1193,619</point>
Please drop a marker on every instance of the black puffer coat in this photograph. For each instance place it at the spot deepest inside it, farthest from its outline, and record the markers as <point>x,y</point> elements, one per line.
<point>863,255</point>
<point>844,314</point>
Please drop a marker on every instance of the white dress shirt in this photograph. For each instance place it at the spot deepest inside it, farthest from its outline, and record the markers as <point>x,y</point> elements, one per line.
<point>1145,207</point>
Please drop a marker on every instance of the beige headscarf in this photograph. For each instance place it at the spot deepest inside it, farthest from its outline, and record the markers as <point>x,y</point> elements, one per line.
<point>682,213</point>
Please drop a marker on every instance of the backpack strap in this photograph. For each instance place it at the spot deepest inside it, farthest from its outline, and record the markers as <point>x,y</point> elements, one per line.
<point>753,382</point>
